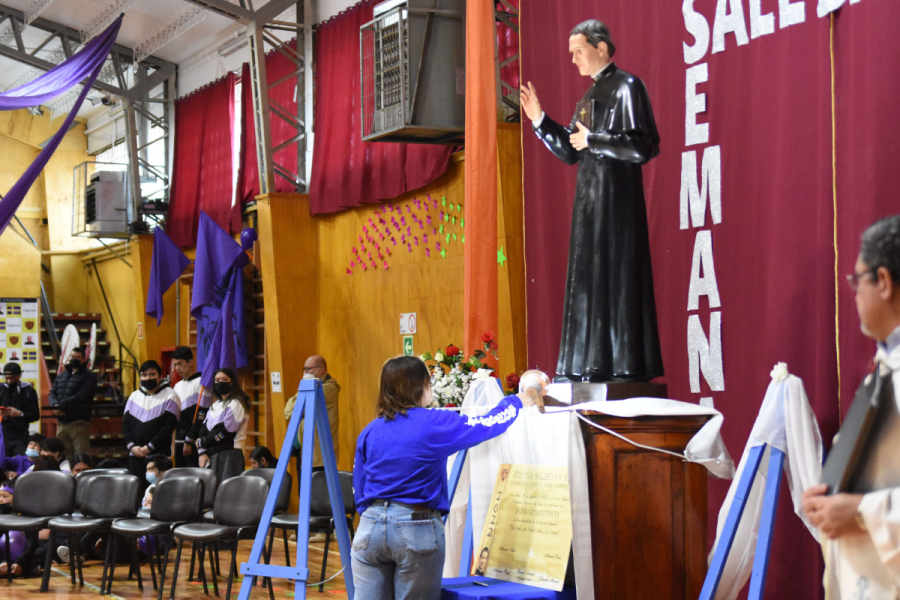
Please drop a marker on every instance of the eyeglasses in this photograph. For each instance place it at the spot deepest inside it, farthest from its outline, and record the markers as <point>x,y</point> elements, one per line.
<point>853,279</point>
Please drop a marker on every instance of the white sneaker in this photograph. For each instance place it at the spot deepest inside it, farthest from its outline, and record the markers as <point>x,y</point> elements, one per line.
<point>63,553</point>
<point>317,538</point>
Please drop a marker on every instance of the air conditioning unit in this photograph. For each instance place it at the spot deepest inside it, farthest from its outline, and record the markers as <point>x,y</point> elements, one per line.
<point>105,204</point>
<point>413,59</point>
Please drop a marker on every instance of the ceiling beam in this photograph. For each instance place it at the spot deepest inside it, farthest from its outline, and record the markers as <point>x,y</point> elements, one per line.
<point>172,30</point>
<point>226,9</point>
<point>33,10</point>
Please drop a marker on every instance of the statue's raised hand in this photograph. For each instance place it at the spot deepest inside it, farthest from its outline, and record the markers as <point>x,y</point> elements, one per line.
<point>530,103</point>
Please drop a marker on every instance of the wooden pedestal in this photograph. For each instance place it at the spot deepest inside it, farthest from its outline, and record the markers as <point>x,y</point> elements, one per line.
<point>648,509</point>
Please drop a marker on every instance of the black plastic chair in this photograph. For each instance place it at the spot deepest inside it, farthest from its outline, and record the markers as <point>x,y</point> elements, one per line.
<point>320,519</point>
<point>239,507</point>
<point>284,494</point>
<point>82,478</point>
<point>176,501</point>
<point>209,478</point>
<point>40,496</point>
<point>103,500</point>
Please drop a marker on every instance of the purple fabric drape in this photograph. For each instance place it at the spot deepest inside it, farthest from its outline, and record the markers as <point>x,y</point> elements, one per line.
<point>166,266</point>
<point>97,50</point>
<point>217,252</point>
<point>64,76</point>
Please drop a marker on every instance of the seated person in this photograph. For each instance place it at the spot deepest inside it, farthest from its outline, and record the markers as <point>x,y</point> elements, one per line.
<point>14,466</point>
<point>109,463</point>
<point>80,463</point>
<point>36,541</point>
<point>261,458</point>
<point>157,465</point>
<point>56,448</point>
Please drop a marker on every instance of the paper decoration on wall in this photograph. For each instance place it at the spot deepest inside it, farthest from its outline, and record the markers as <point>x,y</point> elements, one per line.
<point>501,258</point>
<point>368,252</point>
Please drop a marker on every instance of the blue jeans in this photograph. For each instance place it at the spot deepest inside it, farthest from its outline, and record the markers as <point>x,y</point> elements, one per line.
<point>396,557</point>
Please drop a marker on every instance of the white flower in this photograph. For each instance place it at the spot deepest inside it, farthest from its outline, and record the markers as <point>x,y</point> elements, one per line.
<point>482,373</point>
<point>422,357</point>
<point>439,357</point>
<point>780,372</point>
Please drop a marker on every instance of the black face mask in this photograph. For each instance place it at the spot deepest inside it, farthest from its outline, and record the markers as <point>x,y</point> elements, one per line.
<point>149,384</point>
<point>222,388</point>
<point>5,509</point>
<point>74,364</point>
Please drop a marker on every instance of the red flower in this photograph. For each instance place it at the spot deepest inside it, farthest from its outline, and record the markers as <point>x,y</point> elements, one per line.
<point>493,345</point>
<point>487,337</point>
<point>452,350</point>
<point>512,381</point>
<point>450,405</point>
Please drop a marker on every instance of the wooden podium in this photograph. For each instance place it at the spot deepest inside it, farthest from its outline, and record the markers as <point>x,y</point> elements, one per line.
<point>648,509</point>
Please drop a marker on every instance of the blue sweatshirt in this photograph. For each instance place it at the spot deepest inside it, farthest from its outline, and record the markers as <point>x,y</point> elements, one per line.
<point>405,459</point>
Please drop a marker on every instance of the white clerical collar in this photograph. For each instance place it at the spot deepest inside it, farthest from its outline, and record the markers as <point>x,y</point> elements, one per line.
<point>892,341</point>
<point>600,72</point>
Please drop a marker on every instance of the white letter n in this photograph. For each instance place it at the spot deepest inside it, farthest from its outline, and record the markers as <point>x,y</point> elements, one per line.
<point>705,355</point>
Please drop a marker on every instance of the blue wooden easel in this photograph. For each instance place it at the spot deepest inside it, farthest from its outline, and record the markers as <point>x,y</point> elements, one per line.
<point>311,401</point>
<point>766,525</point>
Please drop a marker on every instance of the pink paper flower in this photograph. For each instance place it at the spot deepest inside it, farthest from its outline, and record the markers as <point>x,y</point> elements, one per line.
<point>416,239</point>
<point>438,246</point>
<point>427,252</point>
<point>425,237</point>
<point>385,266</point>
<point>349,272</point>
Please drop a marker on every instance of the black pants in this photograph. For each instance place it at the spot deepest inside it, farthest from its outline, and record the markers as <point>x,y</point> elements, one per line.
<point>191,460</point>
<point>138,468</point>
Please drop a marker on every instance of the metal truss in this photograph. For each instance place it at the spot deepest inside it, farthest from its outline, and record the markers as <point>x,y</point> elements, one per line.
<point>507,96</point>
<point>138,90</point>
<point>33,10</point>
<point>181,24</point>
<point>260,25</point>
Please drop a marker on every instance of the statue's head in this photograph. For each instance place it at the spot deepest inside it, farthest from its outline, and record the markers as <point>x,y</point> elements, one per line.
<point>591,46</point>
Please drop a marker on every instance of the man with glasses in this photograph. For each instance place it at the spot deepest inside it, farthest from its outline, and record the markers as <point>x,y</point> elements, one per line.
<point>315,367</point>
<point>862,549</point>
<point>18,407</point>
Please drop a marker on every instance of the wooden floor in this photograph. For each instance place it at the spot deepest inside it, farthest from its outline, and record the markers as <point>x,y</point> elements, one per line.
<point>61,587</point>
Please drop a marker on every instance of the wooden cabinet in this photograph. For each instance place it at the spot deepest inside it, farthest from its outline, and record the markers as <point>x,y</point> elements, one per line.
<point>648,509</point>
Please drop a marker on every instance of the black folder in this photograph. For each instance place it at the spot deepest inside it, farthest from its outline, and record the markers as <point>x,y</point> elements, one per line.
<point>848,455</point>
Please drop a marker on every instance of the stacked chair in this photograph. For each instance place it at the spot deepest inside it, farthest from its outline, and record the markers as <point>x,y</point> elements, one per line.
<point>102,499</point>
<point>40,496</point>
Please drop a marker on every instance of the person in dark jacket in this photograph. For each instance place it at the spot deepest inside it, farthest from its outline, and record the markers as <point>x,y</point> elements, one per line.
<point>224,427</point>
<point>18,407</point>
<point>72,395</point>
<point>151,414</point>
<point>195,401</point>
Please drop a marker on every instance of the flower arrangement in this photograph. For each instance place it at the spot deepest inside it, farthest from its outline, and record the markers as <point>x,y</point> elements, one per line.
<point>452,373</point>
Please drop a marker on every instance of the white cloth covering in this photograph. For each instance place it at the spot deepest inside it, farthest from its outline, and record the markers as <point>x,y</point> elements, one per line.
<point>555,438</point>
<point>868,566</point>
<point>787,422</point>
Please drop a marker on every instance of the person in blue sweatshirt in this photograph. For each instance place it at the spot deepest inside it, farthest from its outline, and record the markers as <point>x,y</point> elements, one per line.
<point>151,414</point>
<point>400,482</point>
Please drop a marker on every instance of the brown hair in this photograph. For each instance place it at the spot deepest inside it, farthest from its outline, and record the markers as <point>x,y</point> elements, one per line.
<point>404,380</point>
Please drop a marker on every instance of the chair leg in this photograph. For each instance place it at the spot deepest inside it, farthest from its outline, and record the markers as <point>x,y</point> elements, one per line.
<point>175,570</point>
<point>266,557</point>
<point>135,565</point>
<point>152,568</point>
<point>218,568</point>
<point>79,558</point>
<point>71,554</point>
<point>213,570</point>
<point>287,552</point>
<point>193,558</point>
<point>201,571</point>
<point>165,563</point>
<point>8,561</point>
<point>48,559</point>
<point>112,563</point>
<point>232,568</point>
<point>325,558</point>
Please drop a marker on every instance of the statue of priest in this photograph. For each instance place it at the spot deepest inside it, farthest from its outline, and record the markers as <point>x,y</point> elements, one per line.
<point>609,322</point>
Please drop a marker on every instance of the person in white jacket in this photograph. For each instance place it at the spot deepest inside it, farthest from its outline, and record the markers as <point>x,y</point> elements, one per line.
<point>862,549</point>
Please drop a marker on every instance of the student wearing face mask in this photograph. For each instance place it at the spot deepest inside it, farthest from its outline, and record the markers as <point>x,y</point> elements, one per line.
<point>157,465</point>
<point>18,407</point>
<point>151,415</point>
<point>222,434</point>
<point>72,395</point>
<point>14,466</point>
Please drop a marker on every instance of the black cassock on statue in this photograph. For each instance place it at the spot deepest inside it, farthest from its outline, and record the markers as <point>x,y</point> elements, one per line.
<point>609,320</point>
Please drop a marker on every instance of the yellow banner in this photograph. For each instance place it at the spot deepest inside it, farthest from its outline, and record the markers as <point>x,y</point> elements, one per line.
<point>528,531</point>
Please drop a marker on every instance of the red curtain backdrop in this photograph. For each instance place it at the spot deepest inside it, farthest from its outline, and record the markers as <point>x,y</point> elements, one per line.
<point>346,171</point>
<point>282,95</point>
<point>768,106</point>
<point>202,173</point>
<point>867,88</point>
